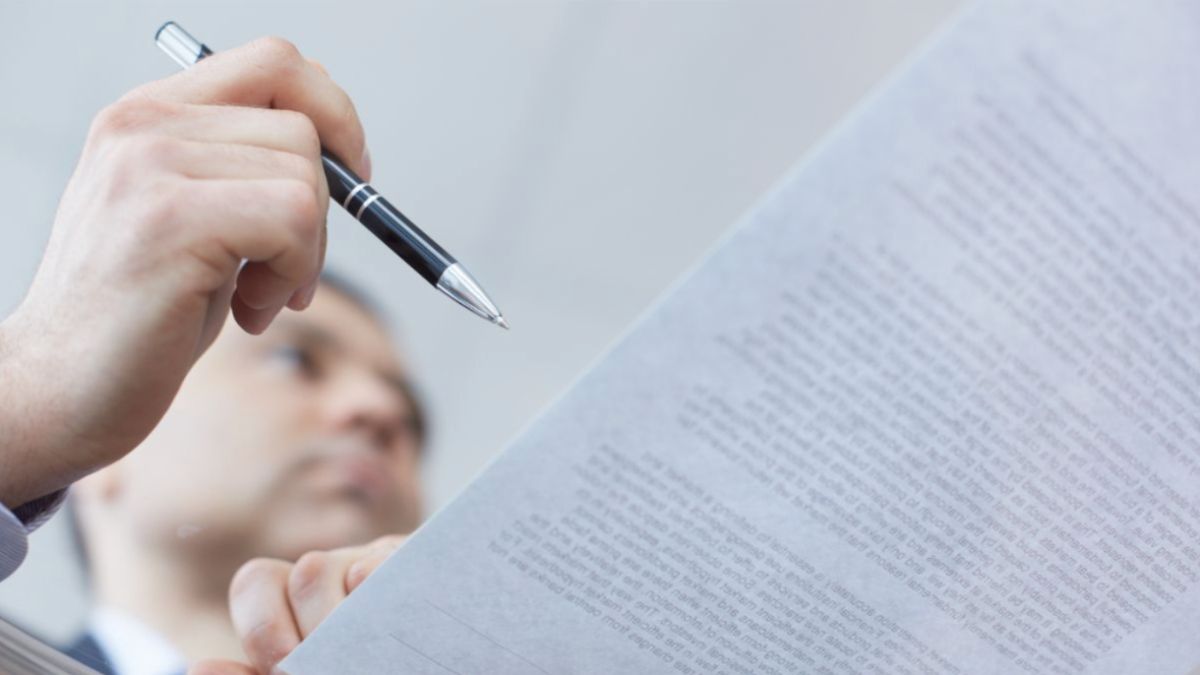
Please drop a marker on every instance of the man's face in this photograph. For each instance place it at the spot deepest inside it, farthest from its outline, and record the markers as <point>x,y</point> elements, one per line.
<point>302,438</point>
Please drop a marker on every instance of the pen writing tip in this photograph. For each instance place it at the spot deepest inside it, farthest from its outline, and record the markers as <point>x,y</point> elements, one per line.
<point>502,322</point>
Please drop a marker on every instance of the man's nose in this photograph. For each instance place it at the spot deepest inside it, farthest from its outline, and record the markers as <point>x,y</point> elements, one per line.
<point>361,402</point>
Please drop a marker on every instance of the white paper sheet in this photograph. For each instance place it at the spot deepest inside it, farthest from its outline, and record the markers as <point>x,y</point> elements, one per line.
<point>933,408</point>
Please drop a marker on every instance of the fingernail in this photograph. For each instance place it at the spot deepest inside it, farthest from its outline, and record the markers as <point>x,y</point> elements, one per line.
<point>303,296</point>
<point>307,298</point>
<point>261,318</point>
<point>356,575</point>
<point>366,163</point>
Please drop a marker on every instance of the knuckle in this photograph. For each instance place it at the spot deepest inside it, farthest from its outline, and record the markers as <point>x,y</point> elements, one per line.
<point>278,51</point>
<point>129,113</point>
<point>152,149</point>
<point>137,165</point>
<point>300,168</point>
<point>111,120</point>
<point>162,207</point>
<point>116,117</point>
<point>302,211</point>
<point>307,571</point>
<point>320,67</point>
<point>300,128</point>
<point>253,573</point>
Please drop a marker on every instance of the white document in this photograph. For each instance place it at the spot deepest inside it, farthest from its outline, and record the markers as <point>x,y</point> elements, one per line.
<point>933,408</point>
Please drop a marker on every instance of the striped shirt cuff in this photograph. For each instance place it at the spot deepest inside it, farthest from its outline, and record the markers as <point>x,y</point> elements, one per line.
<point>15,526</point>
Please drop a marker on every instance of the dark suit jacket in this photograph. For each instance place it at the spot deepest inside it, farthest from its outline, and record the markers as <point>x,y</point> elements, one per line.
<point>88,652</point>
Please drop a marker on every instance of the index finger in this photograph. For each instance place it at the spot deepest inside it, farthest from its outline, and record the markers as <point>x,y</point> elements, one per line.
<point>271,73</point>
<point>262,617</point>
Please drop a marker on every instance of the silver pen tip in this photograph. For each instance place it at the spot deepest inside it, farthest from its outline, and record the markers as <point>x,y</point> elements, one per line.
<point>457,283</point>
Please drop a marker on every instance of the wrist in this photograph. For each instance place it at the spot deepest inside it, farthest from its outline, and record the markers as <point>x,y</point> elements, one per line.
<point>34,461</point>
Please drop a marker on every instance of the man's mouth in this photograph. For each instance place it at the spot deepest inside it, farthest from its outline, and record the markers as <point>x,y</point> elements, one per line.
<point>359,476</point>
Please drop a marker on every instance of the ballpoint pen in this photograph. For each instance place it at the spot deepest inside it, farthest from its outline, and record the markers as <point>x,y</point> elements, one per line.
<point>368,207</point>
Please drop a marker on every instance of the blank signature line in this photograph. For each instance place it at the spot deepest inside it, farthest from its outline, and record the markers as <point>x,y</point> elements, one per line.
<point>485,636</point>
<point>432,660</point>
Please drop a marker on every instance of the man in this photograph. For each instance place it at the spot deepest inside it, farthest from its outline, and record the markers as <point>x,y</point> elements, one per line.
<point>195,196</point>
<point>304,438</point>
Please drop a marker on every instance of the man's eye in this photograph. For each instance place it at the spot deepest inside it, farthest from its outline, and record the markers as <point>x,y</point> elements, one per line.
<point>295,358</point>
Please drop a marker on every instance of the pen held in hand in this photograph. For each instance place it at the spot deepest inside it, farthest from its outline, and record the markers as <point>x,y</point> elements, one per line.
<point>367,206</point>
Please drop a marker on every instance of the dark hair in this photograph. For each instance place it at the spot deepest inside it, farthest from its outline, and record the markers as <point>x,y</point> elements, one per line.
<point>352,291</point>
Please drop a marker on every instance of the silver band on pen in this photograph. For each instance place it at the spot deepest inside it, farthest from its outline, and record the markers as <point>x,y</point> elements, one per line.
<point>365,204</point>
<point>346,202</point>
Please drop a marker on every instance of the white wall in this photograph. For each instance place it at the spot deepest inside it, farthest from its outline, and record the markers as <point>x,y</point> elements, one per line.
<point>536,140</point>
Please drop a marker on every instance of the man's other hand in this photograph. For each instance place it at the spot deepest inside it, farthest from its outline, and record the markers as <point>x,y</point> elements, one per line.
<point>276,604</point>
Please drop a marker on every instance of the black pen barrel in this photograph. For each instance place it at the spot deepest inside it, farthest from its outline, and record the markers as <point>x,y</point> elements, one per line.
<point>385,221</point>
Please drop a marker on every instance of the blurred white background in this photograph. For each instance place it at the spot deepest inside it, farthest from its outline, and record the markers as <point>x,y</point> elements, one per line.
<point>576,156</point>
